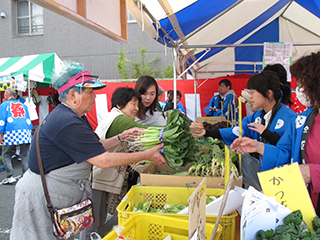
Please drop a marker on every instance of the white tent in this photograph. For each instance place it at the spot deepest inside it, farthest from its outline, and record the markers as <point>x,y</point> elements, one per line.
<point>225,37</point>
<point>37,67</point>
<point>212,38</point>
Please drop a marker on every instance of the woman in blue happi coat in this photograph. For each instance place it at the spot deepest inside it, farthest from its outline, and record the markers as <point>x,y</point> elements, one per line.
<point>300,143</point>
<point>265,125</point>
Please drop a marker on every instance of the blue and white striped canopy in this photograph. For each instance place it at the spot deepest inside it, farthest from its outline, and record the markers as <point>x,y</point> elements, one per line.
<point>229,22</point>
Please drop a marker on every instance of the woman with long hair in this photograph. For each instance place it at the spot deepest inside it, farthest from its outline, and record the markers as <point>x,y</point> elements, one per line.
<point>148,114</point>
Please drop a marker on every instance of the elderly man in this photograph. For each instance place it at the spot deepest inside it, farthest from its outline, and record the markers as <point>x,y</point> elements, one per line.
<point>15,130</point>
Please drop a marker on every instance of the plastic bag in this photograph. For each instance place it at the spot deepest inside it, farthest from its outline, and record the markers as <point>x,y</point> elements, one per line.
<point>250,167</point>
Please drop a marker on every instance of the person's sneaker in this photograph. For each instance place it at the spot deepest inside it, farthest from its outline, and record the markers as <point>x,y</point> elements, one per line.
<point>8,180</point>
<point>5,181</point>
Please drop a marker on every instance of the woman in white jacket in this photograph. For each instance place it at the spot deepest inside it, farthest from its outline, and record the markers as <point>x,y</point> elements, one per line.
<point>107,184</point>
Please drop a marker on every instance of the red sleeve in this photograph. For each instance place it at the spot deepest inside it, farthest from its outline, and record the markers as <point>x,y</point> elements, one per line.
<point>315,177</point>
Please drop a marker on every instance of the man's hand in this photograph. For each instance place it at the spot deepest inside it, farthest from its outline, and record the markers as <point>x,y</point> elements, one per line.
<point>130,134</point>
<point>1,138</point>
<point>155,156</point>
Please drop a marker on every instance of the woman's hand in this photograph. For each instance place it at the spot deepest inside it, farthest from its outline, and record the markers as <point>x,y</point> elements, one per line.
<point>257,127</point>
<point>197,130</point>
<point>130,134</point>
<point>247,145</point>
<point>305,171</point>
<point>155,156</point>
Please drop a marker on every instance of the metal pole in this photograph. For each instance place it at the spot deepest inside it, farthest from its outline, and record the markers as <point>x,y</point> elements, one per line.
<point>241,45</point>
<point>197,60</point>
<point>195,95</point>
<point>174,56</point>
<point>29,89</point>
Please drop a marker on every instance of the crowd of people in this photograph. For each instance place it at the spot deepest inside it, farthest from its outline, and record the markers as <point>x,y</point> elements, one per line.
<point>79,163</point>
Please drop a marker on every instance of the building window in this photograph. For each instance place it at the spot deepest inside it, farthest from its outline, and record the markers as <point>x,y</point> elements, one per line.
<point>29,18</point>
<point>130,18</point>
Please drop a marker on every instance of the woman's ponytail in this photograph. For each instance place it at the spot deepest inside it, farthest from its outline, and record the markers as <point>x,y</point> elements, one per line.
<point>286,94</point>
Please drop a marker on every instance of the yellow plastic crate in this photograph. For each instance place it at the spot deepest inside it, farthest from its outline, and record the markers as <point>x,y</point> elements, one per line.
<point>172,195</point>
<point>145,226</point>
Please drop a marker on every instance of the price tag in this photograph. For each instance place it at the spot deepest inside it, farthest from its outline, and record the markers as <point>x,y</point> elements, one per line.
<point>287,186</point>
<point>197,212</point>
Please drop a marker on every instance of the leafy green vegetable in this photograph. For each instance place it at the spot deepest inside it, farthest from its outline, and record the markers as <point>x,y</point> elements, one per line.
<point>173,208</point>
<point>184,173</point>
<point>154,210</point>
<point>290,229</point>
<point>179,145</point>
<point>295,218</point>
<point>308,236</point>
<point>260,235</point>
<point>142,206</point>
<point>163,173</point>
<point>208,200</point>
<point>316,223</point>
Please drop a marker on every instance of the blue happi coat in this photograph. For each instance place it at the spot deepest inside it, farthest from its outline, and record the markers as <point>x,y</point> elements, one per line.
<point>229,100</point>
<point>15,123</point>
<point>278,125</point>
<point>287,149</point>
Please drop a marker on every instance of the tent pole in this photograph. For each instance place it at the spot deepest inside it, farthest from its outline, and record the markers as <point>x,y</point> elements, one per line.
<point>29,89</point>
<point>242,45</point>
<point>174,58</point>
<point>195,96</point>
<point>197,60</point>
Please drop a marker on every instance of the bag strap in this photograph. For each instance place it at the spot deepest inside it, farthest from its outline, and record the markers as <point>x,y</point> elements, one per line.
<point>44,184</point>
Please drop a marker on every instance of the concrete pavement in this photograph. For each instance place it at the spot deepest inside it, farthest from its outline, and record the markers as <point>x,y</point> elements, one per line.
<point>7,202</point>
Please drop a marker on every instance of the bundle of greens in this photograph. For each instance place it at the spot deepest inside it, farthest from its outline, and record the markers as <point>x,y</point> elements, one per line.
<point>291,229</point>
<point>212,164</point>
<point>179,145</point>
<point>207,142</point>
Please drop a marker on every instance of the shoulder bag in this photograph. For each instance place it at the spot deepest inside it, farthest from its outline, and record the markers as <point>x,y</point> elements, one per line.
<point>70,220</point>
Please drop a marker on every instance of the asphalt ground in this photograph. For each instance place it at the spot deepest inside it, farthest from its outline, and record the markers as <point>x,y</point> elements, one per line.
<point>7,203</point>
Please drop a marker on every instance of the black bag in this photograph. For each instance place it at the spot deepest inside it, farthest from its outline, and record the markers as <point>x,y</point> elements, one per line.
<point>250,167</point>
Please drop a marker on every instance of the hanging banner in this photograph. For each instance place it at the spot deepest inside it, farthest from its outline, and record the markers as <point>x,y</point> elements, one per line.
<point>278,52</point>
<point>13,81</point>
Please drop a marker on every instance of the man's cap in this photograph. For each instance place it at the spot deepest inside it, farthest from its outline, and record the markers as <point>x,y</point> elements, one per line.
<point>83,79</point>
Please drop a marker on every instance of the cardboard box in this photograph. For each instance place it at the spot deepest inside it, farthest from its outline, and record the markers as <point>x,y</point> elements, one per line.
<point>148,178</point>
<point>211,120</point>
<point>164,168</point>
